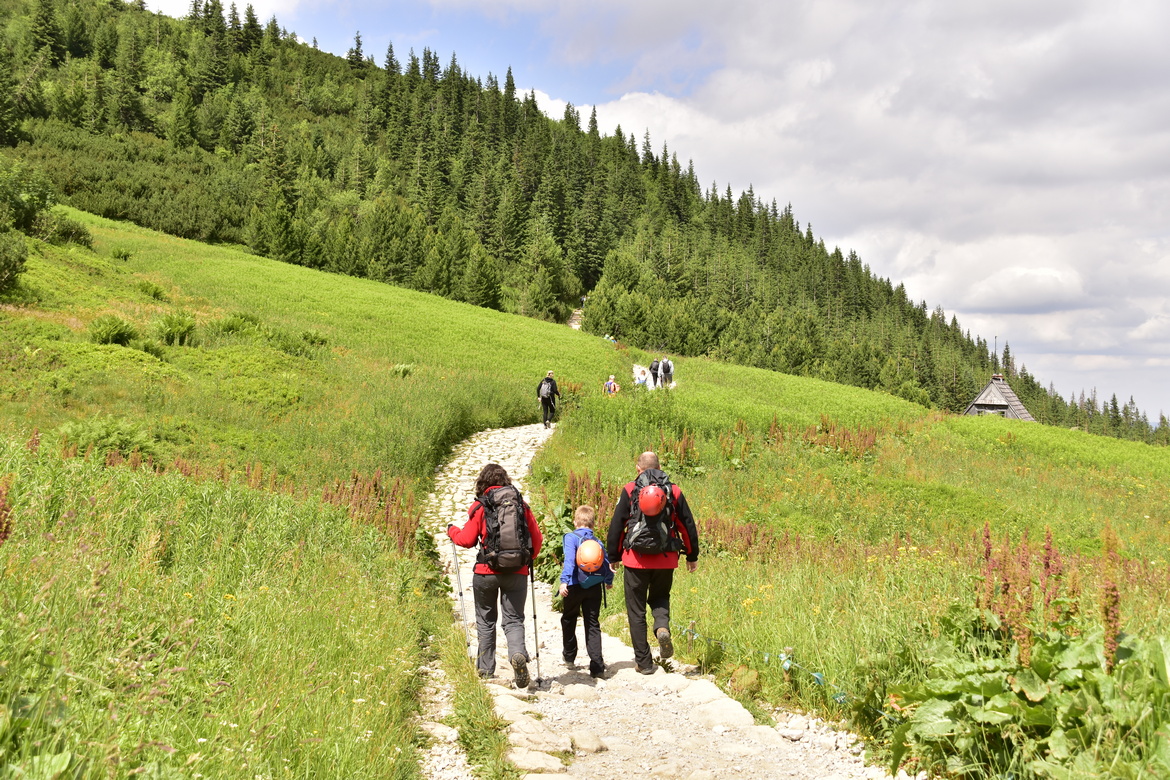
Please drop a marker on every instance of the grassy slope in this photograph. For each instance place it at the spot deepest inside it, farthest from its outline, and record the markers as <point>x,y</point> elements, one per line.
<point>858,592</point>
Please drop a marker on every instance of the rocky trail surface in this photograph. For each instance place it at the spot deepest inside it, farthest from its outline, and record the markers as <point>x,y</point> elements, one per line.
<point>676,724</point>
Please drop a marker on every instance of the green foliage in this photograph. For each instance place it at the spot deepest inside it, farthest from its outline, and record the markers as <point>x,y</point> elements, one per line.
<point>103,435</point>
<point>59,229</point>
<point>1061,714</point>
<point>152,290</point>
<point>112,329</point>
<point>176,328</point>
<point>24,194</point>
<point>13,255</point>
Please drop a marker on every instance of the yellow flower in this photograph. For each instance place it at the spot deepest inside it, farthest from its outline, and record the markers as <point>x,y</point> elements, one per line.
<point>229,597</point>
<point>263,588</point>
<point>188,595</point>
<point>816,609</point>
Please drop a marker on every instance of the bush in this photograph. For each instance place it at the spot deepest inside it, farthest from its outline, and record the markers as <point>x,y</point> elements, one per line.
<point>112,329</point>
<point>176,328</point>
<point>13,253</point>
<point>59,229</point>
<point>118,253</point>
<point>107,434</point>
<point>152,290</point>
<point>24,193</point>
<point>153,348</point>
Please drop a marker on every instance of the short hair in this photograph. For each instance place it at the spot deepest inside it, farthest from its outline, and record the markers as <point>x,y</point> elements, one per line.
<point>647,460</point>
<point>584,517</point>
<point>549,373</point>
<point>491,475</point>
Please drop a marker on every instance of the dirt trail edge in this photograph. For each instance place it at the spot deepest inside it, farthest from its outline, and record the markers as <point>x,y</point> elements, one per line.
<point>665,725</point>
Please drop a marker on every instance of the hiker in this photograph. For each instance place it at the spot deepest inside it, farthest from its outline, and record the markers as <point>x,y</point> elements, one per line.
<point>501,523</point>
<point>641,379</point>
<point>612,387</point>
<point>651,525</point>
<point>547,393</point>
<point>666,371</point>
<point>654,368</point>
<point>586,574</point>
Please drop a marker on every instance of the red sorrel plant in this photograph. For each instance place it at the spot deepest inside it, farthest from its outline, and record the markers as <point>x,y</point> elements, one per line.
<point>5,510</point>
<point>1110,596</point>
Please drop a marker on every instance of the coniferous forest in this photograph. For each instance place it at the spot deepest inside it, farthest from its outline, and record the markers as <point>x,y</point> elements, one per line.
<point>222,127</point>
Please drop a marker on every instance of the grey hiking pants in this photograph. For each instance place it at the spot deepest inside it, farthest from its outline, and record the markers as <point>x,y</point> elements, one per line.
<point>510,592</point>
<point>646,587</point>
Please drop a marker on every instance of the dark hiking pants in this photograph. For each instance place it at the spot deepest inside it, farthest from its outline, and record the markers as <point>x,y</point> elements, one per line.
<point>509,591</point>
<point>549,408</point>
<point>646,587</point>
<point>587,602</point>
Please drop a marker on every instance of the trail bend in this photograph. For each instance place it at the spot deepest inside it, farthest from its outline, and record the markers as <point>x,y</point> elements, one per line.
<point>665,725</point>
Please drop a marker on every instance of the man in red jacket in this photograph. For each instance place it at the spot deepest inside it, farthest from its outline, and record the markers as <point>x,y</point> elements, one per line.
<point>489,586</point>
<point>649,575</point>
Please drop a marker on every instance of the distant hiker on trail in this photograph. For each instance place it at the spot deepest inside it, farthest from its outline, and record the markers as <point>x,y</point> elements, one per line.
<point>651,525</point>
<point>548,394</point>
<point>642,379</point>
<point>501,523</point>
<point>585,575</point>
<point>654,368</point>
<point>666,371</point>
<point>612,387</point>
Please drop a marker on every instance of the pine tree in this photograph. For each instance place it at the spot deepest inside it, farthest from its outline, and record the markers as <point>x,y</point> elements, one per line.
<point>183,125</point>
<point>251,33</point>
<point>10,117</point>
<point>355,57</point>
<point>46,32</point>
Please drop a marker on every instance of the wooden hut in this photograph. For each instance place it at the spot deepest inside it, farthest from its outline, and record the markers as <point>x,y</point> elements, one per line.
<point>999,398</point>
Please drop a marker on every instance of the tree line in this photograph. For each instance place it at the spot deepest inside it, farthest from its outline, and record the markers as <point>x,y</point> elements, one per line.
<point>222,128</point>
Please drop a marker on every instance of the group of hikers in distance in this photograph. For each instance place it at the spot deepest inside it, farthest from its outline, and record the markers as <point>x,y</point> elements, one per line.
<point>660,375</point>
<point>652,526</point>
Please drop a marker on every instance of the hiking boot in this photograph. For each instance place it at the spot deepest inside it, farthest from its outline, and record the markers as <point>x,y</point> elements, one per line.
<point>597,672</point>
<point>665,646</point>
<point>483,675</point>
<point>569,662</point>
<point>520,667</point>
<point>651,669</point>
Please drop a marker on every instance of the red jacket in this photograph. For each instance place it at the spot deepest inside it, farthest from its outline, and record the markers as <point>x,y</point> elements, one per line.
<point>684,530</point>
<point>474,531</point>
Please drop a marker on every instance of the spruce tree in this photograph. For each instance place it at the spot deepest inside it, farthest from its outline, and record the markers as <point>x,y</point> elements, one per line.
<point>355,57</point>
<point>183,125</point>
<point>251,33</point>
<point>10,117</point>
<point>46,32</point>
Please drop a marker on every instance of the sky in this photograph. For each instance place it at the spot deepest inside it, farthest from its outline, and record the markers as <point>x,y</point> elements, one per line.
<point>1007,161</point>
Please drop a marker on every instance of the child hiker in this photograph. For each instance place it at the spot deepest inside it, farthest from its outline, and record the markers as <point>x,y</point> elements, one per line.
<point>585,574</point>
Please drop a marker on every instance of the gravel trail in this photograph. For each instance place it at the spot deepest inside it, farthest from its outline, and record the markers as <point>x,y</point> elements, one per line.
<point>665,725</point>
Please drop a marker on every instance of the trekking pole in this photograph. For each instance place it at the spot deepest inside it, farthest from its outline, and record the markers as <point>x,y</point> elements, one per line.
<point>535,635</point>
<point>459,584</point>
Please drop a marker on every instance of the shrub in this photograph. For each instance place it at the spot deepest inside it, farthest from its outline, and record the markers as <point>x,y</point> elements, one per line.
<point>59,229</point>
<point>176,328</point>
<point>13,253</point>
<point>112,329</point>
<point>152,290</point>
<point>107,434</point>
<point>153,348</point>
<point>25,193</point>
<point>314,338</point>
<point>402,369</point>
<point>119,253</point>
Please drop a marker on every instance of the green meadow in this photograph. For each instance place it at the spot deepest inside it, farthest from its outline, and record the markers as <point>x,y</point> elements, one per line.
<point>213,523</point>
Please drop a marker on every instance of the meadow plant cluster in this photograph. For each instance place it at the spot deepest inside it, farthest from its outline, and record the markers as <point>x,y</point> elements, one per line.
<point>858,547</point>
<point>154,624</point>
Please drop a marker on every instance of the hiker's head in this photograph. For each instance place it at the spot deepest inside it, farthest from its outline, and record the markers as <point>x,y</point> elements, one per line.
<point>647,460</point>
<point>491,475</point>
<point>584,517</point>
<point>549,375</point>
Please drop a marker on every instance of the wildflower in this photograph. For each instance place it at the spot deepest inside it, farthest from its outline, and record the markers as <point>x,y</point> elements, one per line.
<point>188,595</point>
<point>816,609</point>
<point>263,588</point>
<point>229,597</point>
<point>201,739</point>
<point>359,701</point>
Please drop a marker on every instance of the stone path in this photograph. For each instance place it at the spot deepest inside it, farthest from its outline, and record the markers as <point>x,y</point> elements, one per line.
<point>674,724</point>
<point>576,318</point>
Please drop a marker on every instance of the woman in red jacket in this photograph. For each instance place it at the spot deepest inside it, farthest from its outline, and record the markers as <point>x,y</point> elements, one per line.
<point>498,501</point>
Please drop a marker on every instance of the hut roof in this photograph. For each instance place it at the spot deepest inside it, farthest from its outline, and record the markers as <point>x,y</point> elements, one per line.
<point>997,397</point>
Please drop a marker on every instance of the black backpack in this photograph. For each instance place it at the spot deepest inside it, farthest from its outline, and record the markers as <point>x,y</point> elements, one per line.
<point>507,545</point>
<point>652,533</point>
<point>654,368</point>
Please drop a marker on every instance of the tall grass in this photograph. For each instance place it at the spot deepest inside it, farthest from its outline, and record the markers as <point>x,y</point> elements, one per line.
<point>152,623</point>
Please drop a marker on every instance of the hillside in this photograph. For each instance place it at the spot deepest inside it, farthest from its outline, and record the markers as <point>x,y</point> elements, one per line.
<point>224,128</point>
<point>853,517</point>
